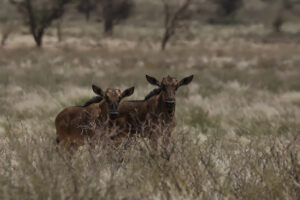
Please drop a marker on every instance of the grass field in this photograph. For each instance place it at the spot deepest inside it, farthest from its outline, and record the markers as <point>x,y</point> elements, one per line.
<point>238,121</point>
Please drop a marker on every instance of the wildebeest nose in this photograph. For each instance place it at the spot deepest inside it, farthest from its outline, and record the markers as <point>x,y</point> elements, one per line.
<point>114,106</point>
<point>170,101</point>
<point>113,115</point>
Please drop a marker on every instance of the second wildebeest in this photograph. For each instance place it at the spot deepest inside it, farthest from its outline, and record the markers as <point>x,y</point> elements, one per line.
<point>77,124</point>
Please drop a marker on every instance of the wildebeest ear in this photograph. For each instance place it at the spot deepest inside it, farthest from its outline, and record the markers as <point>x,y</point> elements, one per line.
<point>127,92</point>
<point>152,80</point>
<point>185,81</point>
<point>98,90</point>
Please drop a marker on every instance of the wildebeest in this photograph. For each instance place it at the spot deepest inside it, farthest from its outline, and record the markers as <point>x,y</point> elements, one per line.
<point>77,124</point>
<point>155,115</point>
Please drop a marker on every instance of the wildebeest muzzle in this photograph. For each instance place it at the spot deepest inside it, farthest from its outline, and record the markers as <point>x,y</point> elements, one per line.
<point>170,103</point>
<point>113,113</point>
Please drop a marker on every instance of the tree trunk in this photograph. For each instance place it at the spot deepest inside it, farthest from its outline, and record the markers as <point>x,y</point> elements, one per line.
<point>58,29</point>
<point>108,26</point>
<point>87,15</point>
<point>39,41</point>
<point>277,24</point>
<point>38,38</point>
<point>87,10</point>
<point>108,17</point>
<point>4,38</point>
<point>165,40</point>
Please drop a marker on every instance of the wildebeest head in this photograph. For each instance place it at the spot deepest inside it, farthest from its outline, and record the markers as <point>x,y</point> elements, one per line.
<point>113,97</point>
<point>168,87</point>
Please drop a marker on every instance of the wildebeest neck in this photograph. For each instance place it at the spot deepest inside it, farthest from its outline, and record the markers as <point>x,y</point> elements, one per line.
<point>96,99</point>
<point>165,109</point>
<point>103,106</point>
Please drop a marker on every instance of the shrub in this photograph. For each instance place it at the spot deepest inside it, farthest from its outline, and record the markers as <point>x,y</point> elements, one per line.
<point>39,14</point>
<point>228,7</point>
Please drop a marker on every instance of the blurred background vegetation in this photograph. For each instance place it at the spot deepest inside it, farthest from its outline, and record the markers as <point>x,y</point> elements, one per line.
<point>165,17</point>
<point>238,122</point>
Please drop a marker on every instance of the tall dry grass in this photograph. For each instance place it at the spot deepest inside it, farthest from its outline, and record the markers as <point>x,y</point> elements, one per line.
<point>238,121</point>
<point>190,167</point>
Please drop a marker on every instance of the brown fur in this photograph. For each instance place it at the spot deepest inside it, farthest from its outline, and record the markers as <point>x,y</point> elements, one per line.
<point>150,114</point>
<point>155,115</point>
<point>76,125</point>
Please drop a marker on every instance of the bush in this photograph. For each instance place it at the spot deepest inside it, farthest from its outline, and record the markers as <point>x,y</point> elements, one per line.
<point>86,7</point>
<point>115,11</point>
<point>187,168</point>
<point>39,14</point>
<point>228,8</point>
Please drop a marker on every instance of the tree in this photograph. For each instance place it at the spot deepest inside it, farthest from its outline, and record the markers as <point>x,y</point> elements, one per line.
<point>280,7</point>
<point>228,8</point>
<point>86,7</point>
<point>114,11</point>
<point>9,21</point>
<point>39,14</point>
<point>174,17</point>
<point>7,30</point>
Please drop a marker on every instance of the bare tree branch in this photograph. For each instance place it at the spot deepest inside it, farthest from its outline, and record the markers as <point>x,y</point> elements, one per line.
<point>172,19</point>
<point>39,18</point>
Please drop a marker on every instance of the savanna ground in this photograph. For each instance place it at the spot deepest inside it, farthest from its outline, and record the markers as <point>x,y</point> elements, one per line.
<point>238,121</point>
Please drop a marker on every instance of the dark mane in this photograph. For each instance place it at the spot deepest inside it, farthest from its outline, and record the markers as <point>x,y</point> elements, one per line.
<point>154,92</point>
<point>95,99</point>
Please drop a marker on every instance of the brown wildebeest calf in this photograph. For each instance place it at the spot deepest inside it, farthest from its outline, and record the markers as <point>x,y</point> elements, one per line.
<point>155,115</point>
<point>77,124</point>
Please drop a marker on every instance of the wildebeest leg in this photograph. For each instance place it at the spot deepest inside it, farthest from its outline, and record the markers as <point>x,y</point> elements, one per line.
<point>123,141</point>
<point>153,144</point>
<point>153,140</point>
<point>166,135</point>
<point>62,148</point>
<point>150,132</point>
<point>57,140</point>
<point>73,147</point>
<point>67,146</point>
